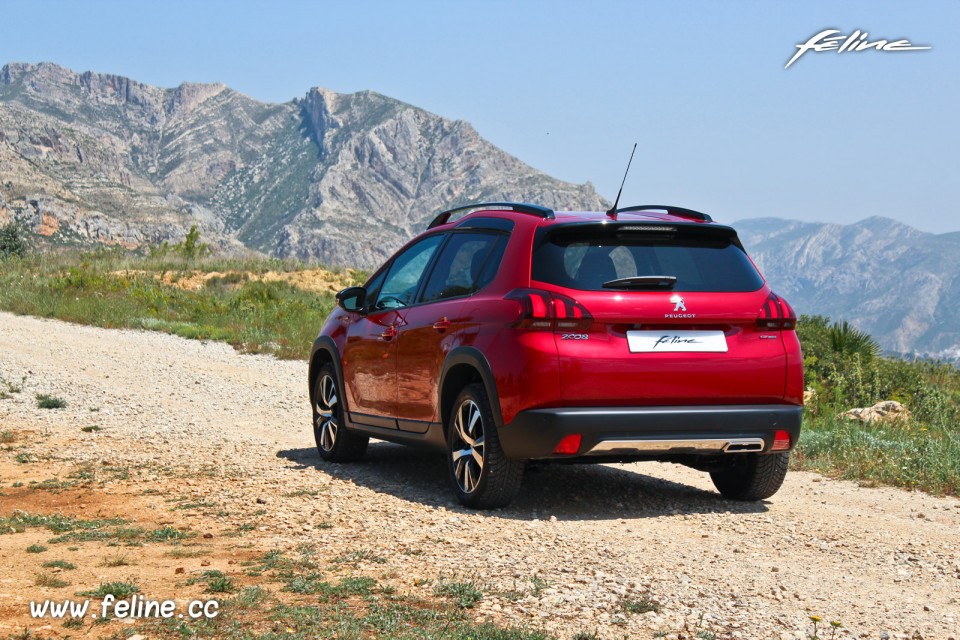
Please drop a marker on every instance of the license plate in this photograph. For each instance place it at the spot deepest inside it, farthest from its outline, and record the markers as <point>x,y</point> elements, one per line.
<point>672,341</point>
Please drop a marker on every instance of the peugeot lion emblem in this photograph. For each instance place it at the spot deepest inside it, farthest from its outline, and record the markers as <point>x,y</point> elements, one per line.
<point>678,303</point>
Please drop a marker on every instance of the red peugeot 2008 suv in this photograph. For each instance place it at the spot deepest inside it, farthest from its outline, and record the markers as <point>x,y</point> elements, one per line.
<point>509,332</point>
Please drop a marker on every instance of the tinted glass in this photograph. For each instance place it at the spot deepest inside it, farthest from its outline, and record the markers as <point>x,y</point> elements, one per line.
<point>499,224</point>
<point>460,269</point>
<point>400,285</point>
<point>585,259</point>
<point>493,262</point>
<point>373,287</point>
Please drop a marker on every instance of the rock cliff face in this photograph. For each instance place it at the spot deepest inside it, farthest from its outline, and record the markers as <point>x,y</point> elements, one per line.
<point>900,284</point>
<point>343,179</point>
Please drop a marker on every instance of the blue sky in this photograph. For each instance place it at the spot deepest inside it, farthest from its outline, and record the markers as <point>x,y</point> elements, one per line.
<point>569,86</point>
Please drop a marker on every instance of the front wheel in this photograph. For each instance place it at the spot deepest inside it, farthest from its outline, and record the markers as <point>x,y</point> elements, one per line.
<point>334,442</point>
<point>751,476</point>
<point>482,476</point>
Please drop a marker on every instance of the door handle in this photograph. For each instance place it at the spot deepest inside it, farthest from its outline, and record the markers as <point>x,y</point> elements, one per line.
<point>389,333</point>
<point>442,324</point>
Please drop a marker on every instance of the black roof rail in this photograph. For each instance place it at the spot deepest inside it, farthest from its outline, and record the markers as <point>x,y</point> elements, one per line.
<point>674,211</point>
<point>519,207</point>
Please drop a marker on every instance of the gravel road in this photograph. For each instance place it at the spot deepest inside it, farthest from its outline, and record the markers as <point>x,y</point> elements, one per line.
<point>579,542</point>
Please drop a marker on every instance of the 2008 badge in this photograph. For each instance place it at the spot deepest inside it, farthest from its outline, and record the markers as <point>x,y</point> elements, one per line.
<point>575,336</point>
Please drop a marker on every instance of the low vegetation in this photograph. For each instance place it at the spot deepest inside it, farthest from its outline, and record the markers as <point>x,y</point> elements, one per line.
<point>358,615</point>
<point>642,604</point>
<point>119,589</point>
<point>465,594</point>
<point>116,288</point>
<point>216,581</point>
<point>46,401</point>
<point>20,520</point>
<point>50,581</point>
<point>845,369</point>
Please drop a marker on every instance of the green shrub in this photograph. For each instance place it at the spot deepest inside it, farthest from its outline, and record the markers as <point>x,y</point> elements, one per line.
<point>166,534</point>
<point>13,241</point>
<point>466,594</point>
<point>847,340</point>
<point>216,581</point>
<point>47,580</point>
<point>118,590</point>
<point>189,249</point>
<point>46,401</point>
<point>641,605</point>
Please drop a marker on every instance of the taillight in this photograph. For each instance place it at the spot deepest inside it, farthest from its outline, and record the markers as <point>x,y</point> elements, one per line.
<point>536,309</point>
<point>570,314</point>
<point>549,311</point>
<point>789,315</point>
<point>776,314</point>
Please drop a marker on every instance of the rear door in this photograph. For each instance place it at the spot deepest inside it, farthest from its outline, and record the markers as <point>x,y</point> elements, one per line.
<point>431,328</point>
<point>680,326</point>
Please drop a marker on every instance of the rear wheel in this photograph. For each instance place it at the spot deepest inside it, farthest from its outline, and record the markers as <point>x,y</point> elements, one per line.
<point>334,442</point>
<point>482,476</point>
<point>751,476</point>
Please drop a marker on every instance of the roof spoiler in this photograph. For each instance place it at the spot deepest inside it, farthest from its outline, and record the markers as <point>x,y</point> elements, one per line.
<point>671,210</point>
<point>519,207</point>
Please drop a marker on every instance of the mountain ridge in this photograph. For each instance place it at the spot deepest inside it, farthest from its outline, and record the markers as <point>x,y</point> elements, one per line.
<point>898,283</point>
<point>339,178</point>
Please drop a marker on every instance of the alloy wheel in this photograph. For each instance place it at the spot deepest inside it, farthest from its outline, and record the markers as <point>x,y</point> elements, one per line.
<point>327,403</point>
<point>467,451</point>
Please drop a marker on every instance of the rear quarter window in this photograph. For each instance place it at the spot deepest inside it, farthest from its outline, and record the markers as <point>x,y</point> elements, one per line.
<point>585,259</point>
<point>461,268</point>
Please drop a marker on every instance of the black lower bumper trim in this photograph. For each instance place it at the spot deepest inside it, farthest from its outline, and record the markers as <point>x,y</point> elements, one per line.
<point>535,433</point>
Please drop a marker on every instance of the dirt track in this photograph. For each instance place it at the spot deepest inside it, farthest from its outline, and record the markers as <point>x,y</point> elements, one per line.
<point>880,561</point>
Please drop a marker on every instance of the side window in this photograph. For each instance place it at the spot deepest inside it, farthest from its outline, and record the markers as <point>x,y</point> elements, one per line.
<point>462,267</point>
<point>400,285</point>
<point>493,263</point>
<point>373,288</point>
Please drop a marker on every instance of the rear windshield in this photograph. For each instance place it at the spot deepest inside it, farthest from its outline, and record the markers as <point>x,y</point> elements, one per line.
<point>586,258</point>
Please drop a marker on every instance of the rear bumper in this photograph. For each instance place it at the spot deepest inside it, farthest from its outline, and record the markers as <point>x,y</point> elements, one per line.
<point>649,432</point>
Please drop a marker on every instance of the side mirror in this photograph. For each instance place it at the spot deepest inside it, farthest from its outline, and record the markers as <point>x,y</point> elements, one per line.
<point>352,298</point>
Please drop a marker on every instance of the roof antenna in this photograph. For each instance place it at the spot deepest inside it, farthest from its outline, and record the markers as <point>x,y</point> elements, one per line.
<point>612,211</point>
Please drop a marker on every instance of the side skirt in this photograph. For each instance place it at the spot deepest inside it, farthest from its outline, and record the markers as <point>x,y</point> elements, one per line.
<point>432,438</point>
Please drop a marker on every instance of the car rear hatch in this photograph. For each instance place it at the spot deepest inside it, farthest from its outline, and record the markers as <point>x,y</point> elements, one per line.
<point>658,314</point>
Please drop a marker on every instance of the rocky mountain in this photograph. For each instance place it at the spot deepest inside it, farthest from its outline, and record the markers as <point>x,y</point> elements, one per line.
<point>337,178</point>
<point>900,284</point>
<point>346,179</point>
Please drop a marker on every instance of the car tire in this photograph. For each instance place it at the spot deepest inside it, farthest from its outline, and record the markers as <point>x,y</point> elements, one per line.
<point>751,476</point>
<point>482,476</point>
<point>334,442</point>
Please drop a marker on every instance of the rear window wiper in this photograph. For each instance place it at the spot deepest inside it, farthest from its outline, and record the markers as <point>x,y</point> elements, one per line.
<point>642,282</point>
